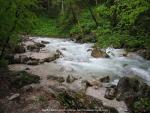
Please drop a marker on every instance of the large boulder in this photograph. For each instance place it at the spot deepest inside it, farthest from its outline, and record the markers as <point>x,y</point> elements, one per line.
<point>97,53</point>
<point>132,90</point>
<point>145,53</point>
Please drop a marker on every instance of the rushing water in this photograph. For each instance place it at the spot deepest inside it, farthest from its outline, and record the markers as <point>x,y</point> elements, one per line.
<point>77,58</point>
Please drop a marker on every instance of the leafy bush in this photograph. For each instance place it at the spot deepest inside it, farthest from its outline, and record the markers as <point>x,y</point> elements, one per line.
<point>107,38</point>
<point>3,63</point>
<point>46,26</point>
<point>129,10</point>
<point>142,105</point>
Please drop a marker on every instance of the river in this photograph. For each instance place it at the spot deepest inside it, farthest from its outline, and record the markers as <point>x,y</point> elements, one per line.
<point>77,59</point>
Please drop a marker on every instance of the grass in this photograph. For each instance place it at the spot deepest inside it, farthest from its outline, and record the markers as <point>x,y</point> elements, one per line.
<point>45,26</point>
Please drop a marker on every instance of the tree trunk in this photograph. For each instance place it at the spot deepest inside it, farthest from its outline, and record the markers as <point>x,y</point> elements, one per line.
<point>73,14</point>
<point>48,6</point>
<point>96,2</point>
<point>76,19</point>
<point>9,35</point>
<point>62,7</point>
<point>6,42</point>
<point>93,17</point>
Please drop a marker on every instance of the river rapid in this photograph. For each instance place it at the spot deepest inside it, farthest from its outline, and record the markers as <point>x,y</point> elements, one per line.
<point>77,59</point>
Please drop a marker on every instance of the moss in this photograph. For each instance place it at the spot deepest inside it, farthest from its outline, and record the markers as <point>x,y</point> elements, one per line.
<point>23,78</point>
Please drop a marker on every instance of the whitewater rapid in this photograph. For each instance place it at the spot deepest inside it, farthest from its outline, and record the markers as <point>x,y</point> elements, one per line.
<point>77,59</point>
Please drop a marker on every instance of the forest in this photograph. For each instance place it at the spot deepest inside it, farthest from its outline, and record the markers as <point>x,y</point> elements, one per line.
<point>113,27</point>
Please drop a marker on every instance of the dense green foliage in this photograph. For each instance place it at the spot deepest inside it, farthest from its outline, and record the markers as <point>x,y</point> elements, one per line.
<point>117,23</point>
<point>16,18</point>
<point>122,23</point>
<point>142,105</point>
<point>45,26</point>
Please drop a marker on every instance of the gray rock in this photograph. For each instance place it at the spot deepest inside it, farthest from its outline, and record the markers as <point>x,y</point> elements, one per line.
<point>105,79</point>
<point>111,93</point>
<point>32,62</point>
<point>144,53</point>
<point>97,53</point>
<point>132,87</point>
<point>40,45</point>
<point>45,42</point>
<point>27,88</point>
<point>57,78</point>
<point>90,83</point>
<point>14,97</point>
<point>70,79</point>
<point>24,59</point>
<point>52,58</point>
<point>78,86</point>
<point>33,48</point>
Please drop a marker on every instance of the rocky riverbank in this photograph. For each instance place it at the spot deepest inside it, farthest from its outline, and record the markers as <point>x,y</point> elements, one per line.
<point>65,83</point>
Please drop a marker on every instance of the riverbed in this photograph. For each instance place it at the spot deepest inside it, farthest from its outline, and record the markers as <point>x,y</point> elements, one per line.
<point>76,59</point>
